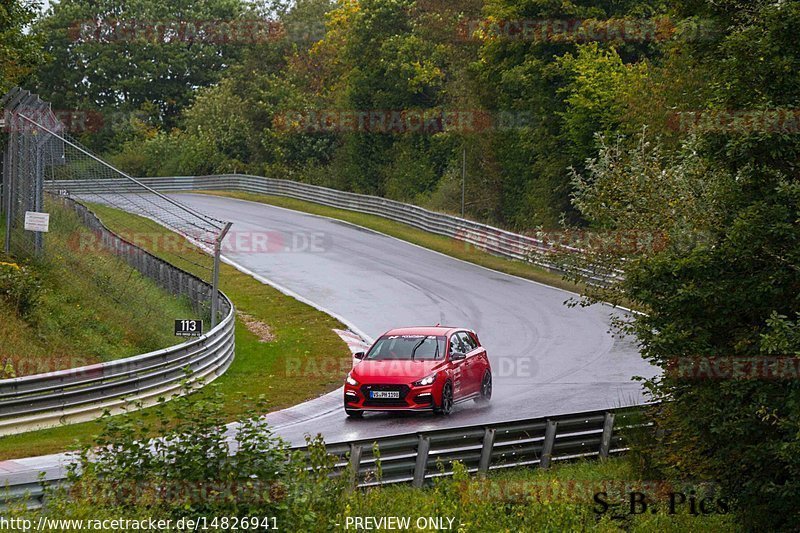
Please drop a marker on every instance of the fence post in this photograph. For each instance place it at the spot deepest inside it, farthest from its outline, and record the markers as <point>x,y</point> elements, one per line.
<point>38,196</point>
<point>215,277</point>
<point>8,189</point>
<point>355,463</point>
<point>549,441</point>
<point>423,447</point>
<point>605,440</point>
<point>486,451</point>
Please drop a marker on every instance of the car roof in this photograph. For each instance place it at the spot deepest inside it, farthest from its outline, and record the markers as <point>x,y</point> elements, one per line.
<point>424,330</point>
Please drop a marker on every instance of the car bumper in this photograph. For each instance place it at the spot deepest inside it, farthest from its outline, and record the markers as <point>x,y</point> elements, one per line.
<point>357,398</point>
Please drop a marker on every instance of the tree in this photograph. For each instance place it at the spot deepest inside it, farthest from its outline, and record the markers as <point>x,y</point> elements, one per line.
<point>20,52</point>
<point>735,292</point>
<point>146,55</point>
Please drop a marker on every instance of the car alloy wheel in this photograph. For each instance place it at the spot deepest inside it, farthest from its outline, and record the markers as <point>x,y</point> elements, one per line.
<point>486,388</point>
<point>447,400</point>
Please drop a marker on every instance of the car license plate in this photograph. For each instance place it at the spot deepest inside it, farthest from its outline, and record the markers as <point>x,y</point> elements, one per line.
<point>385,394</point>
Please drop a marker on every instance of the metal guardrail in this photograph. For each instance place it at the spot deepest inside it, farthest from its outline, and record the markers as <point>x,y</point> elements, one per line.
<point>80,394</point>
<point>482,236</point>
<point>418,458</point>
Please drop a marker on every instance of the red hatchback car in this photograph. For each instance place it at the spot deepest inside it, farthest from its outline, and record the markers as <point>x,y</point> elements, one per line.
<point>419,369</point>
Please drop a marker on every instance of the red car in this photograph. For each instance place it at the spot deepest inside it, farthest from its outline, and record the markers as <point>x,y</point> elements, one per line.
<point>419,369</point>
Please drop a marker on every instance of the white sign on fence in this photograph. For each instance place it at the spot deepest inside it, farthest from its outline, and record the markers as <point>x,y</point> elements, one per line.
<point>37,221</point>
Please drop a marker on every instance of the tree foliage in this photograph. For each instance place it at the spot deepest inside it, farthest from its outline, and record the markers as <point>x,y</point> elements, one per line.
<point>598,142</point>
<point>20,52</point>
<point>727,284</point>
<point>145,56</point>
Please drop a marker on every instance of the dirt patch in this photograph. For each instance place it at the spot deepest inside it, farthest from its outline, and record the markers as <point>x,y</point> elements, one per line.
<point>256,327</point>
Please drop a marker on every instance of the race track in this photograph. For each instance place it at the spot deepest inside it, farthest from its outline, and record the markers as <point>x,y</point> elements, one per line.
<point>547,358</point>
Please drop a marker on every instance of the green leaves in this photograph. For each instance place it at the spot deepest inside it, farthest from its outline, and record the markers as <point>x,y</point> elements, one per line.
<point>20,51</point>
<point>122,59</point>
<point>21,288</point>
<point>181,460</point>
<point>727,284</point>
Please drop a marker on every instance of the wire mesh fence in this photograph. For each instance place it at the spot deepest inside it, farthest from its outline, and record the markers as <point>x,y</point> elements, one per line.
<point>30,153</point>
<point>38,149</point>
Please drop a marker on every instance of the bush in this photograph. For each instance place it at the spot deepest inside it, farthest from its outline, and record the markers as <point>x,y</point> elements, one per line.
<point>20,287</point>
<point>197,469</point>
<point>200,470</point>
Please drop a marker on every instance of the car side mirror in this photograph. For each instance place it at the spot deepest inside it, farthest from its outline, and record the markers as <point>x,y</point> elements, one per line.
<point>360,355</point>
<point>457,356</point>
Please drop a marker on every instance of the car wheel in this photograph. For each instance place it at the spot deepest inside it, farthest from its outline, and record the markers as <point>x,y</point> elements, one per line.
<point>486,388</point>
<point>446,404</point>
<point>352,413</point>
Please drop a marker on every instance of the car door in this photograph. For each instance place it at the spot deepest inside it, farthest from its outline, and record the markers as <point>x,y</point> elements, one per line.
<point>455,345</point>
<point>473,365</point>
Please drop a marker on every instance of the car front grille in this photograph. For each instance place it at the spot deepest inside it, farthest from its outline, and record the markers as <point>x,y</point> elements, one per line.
<point>385,402</point>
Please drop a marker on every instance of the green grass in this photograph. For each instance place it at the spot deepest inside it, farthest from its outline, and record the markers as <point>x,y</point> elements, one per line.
<point>532,499</point>
<point>81,318</point>
<point>561,499</point>
<point>303,335</point>
<point>303,338</point>
<point>439,243</point>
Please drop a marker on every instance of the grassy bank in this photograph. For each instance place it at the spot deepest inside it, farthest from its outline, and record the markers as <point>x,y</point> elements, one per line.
<point>555,500</point>
<point>285,350</point>
<point>439,243</point>
<point>87,306</point>
<point>532,499</point>
<point>194,476</point>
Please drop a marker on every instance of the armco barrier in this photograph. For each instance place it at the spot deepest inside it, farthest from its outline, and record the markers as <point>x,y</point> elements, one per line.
<point>81,394</point>
<point>417,458</point>
<point>484,237</point>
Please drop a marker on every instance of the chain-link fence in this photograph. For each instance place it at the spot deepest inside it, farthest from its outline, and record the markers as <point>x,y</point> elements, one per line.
<point>30,154</point>
<point>38,148</point>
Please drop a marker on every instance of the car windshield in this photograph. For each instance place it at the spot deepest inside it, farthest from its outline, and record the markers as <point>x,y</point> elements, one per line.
<point>407,348</point>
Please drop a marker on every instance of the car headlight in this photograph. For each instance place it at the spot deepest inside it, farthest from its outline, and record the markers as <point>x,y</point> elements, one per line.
<point>426,380</point>
<point>351,381</point>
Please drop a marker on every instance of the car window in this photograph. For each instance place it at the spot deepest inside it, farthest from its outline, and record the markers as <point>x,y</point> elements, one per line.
<point>407,347</point>
<point>456,344</point>
<point>468,341</point>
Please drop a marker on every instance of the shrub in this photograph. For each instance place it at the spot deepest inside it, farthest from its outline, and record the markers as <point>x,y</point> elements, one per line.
<point>198,469</point>
<point>20,287</point>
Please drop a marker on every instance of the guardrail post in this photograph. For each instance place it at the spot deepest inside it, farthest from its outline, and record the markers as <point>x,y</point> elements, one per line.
<point>486,451</point>
<point>549,441</point>
<point>423,447</point>
<point>605,440</point>
<point>355,463</point>
<point>215,274</point>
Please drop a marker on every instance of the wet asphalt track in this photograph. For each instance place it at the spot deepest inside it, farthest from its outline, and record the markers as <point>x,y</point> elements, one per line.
<point>547,358</point>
